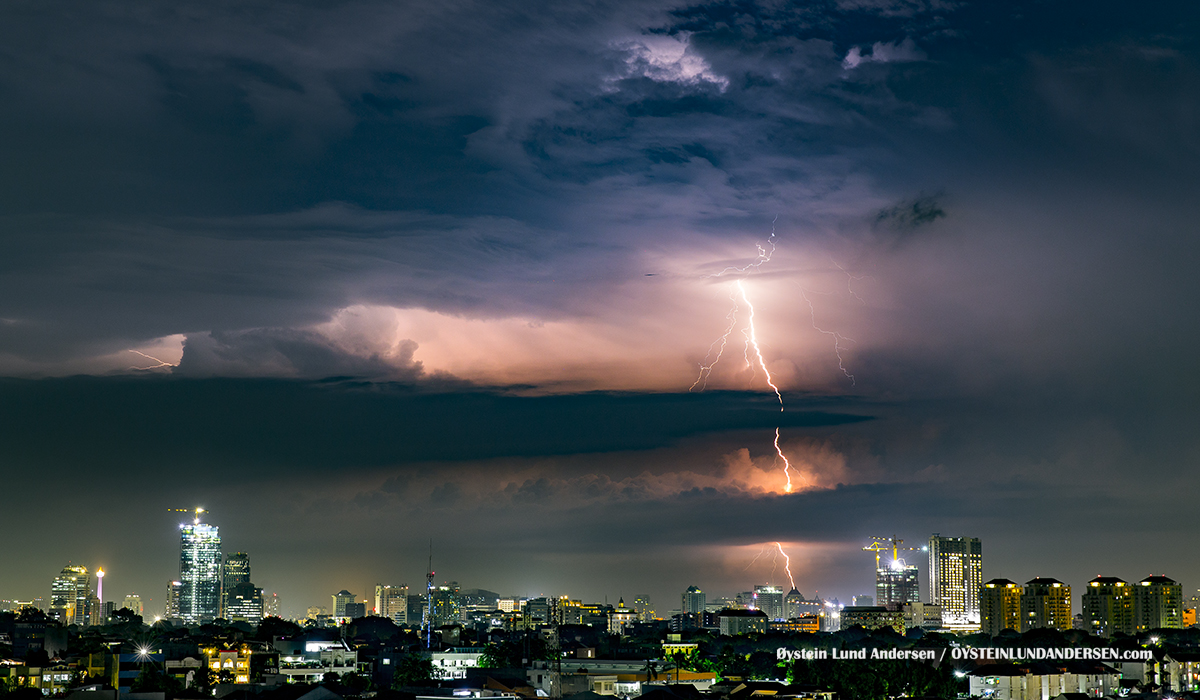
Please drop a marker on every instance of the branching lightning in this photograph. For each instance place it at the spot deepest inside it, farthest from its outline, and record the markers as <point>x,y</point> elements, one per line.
<point>756,557</point>
<point>719,344</point>
<point>787,564</point>
<point>161,363</point>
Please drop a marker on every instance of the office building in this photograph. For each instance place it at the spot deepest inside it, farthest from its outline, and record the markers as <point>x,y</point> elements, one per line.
<point>694,601</point>
<point>199,571</point>
<point>171,609</point>
<point>769,599</point>
<point>338,609</point>
<point>236,571</point>
<point>955,577</point>
<point>1046,602</point>
<point>794,605</point>
<point>1157,604</point>
<point>447,608</point>
<point>737,622</point>
<point>392,602</point>
<point>133,603</point>
<point>1107,606</point>
<point>897,584</point>
<point>244,603</point>
<point>1000,606</point>
<point>70,592</point>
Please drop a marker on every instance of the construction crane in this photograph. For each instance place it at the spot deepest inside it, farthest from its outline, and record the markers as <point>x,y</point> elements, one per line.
<point>881,544</point>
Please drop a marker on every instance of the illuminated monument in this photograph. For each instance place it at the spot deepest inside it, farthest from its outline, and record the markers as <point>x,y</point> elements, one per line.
<point>955,578</point>
<point>199,571</point>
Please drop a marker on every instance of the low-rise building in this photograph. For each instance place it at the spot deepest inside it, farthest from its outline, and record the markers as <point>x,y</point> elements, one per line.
<point>733,623</point>
<point>872,618</point>
<point>1039,681</point>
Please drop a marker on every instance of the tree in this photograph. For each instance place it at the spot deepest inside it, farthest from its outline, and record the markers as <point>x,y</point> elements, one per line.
<point>413,670</point>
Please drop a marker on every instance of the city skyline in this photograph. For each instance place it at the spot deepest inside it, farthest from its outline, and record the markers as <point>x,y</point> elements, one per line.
<point>603,298</point>
<point>963,552</point>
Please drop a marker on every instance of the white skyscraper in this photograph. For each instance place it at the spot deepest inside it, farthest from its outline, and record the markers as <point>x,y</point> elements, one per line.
<point>199,571</point>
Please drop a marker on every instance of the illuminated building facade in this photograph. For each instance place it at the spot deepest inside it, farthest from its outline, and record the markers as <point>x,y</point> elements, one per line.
<point>694,601</point>
<point>199,572</point>
<point>1046,602</point>
<point>769,599</point>
<point>244,603</point>
<point>955,577</point>
<point>447,608</point>
<point>70,592</point>
<point>271,605</point>
<point>1000,606</point>
<point>392,602</point>
<point>133,603</point>
<point>872,618</point>
<point>737,622</point>
<point>172,606</point>
<point>1157,603</point>
<point>897,584</point>
<point>621,618</point>
<point>1107,606</point>
<point>794,605</point>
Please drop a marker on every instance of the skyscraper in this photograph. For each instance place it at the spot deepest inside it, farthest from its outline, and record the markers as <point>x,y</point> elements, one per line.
<point>694,601</point>
<point>897,584</point>
<point>237,571</point>
<point>340,600</point>
<point>171,610</point>
<point>199,571</point>
<point>955,577</point>
<point>70,592</point>
<point>769,599</point>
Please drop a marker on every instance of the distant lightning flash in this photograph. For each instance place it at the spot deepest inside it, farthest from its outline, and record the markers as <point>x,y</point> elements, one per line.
<point>756,556</point>
<point>719,344</point>
<point>161,363</point>
<point>837,337</point>
<point>787,564</point>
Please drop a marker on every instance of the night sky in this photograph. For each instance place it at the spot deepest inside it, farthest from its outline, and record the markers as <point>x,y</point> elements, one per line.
<point>355,275</point>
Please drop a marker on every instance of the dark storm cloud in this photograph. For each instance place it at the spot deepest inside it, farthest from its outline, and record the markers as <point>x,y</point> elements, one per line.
<point>233,424</point>
<point>239,173</point>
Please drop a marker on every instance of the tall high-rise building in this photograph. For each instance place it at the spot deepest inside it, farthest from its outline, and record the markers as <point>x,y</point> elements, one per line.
<point>897,584</point>
<point>769,599</point>
<point>955,577</point>
<point>133,603</point>
<point>1000,606</point>
<point>199,571</point>
<point>792,607</point>
<point>340,600</point>
<point>445,604</point>
<point>70,592</point>
<point>392,602</point>
<point>694,601</point>
<point>1046,602</point>
<point>271,605</point>
<point>1107,606</point>
<point>236,571</point>
<point>171,610</point>
<point>1157,603</point>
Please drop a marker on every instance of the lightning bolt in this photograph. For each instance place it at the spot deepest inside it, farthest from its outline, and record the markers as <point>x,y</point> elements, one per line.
<point>787,564</point>
<point>752,341</point>
<point>756,556</point>
<point>837,337</point>
<point>719,344</point>
<point>161,363</point>
<point>787,466</point>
